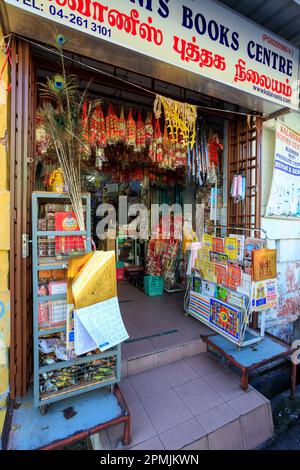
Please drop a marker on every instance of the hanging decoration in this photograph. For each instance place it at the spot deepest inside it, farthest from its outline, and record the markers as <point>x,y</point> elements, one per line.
<point>238,188</point>
<point>130,130</point>
<point>42,138</point>
<point>122,127</point>
<point>180,117</point>
<point>98,135</point>
<point>149,131</point>
<point>215,149</point>
<point>140,134</point>
<point>158,153</point>
<point>112,126</point>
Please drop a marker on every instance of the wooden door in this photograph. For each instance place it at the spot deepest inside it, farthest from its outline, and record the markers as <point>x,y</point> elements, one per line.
<point>21,183</point>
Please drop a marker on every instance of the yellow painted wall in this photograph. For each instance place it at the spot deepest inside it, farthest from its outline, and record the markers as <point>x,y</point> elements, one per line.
<point>4,242</point>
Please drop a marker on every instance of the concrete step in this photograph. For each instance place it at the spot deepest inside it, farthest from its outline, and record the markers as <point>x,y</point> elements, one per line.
<point>143,362</point>
<point>195,403</point>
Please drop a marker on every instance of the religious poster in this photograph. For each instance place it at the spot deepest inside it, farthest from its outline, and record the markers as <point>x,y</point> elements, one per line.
<point>207,242</point>
<point>264,264</point>
<point>218,244</point>
<point>221,273</point>
<point>284,199</point>
<point>218,257</point>
<point>226,318</point>
<point>252,244</point>
<point>264,295</point>
<point>231,248</point>
<point>210,272</point>
<point>234,276</point>
<point>241,246</point>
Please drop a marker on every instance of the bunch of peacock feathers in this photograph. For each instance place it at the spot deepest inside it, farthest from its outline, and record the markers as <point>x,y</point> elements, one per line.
<point>65,119</point>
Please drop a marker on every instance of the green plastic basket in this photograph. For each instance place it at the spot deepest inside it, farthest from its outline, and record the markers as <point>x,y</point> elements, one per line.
<point>154,285</point>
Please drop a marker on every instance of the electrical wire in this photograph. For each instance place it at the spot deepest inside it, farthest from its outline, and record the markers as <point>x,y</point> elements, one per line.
<point>127,82</point>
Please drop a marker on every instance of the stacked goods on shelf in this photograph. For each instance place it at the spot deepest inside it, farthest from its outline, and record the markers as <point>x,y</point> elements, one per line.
<point>59,370</point>
<point>58,217</point>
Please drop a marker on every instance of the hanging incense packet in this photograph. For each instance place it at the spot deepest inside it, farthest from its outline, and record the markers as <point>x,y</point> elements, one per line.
<point>199,178</point>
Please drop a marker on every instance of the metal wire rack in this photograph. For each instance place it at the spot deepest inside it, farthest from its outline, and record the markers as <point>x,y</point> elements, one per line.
<point>51,250</point>
<point>76,377</point>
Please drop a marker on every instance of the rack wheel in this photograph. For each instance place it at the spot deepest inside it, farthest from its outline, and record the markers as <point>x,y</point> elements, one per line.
<point>43,409</point>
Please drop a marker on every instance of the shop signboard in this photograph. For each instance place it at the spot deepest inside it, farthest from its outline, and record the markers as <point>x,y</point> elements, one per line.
<point>204,37</point>
<point>284,199</point>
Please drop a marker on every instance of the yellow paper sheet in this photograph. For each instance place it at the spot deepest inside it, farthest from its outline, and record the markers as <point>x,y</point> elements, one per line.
<point>74,267</point>
<point>96,281</point>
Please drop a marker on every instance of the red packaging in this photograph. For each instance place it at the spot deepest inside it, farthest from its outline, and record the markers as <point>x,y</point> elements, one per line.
<point>66,221</point>
<point>120,274</point>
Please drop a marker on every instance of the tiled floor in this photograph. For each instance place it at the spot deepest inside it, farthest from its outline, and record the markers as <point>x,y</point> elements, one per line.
<point>179,395</point>
<point>194,404</point>
<point>159,331</point>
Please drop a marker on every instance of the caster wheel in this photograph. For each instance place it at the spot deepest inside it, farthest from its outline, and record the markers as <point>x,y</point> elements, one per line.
<point>43,409</point>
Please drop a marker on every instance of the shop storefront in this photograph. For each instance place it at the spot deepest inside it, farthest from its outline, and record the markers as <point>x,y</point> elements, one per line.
<point>173,110</point>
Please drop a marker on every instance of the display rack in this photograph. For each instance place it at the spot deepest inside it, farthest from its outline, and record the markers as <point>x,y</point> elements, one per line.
<point>202,303</point>
<point>51,250</point>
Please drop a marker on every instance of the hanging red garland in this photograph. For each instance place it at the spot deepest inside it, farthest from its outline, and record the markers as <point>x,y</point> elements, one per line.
<point>97,132</point>
<point>215,149</point>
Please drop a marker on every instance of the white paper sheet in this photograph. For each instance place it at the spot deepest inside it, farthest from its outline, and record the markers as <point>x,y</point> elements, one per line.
<point>102,323</point>
<point>83,341</point>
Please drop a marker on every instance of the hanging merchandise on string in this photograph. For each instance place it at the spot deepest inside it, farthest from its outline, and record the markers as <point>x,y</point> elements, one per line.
<point>98,135</point>
<point>238,188</point>
<point>180,118</point>
<point>130,130</point>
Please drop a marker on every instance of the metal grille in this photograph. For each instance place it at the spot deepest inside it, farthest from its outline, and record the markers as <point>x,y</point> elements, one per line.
<point>66,380</point>
<point>245,158</point>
